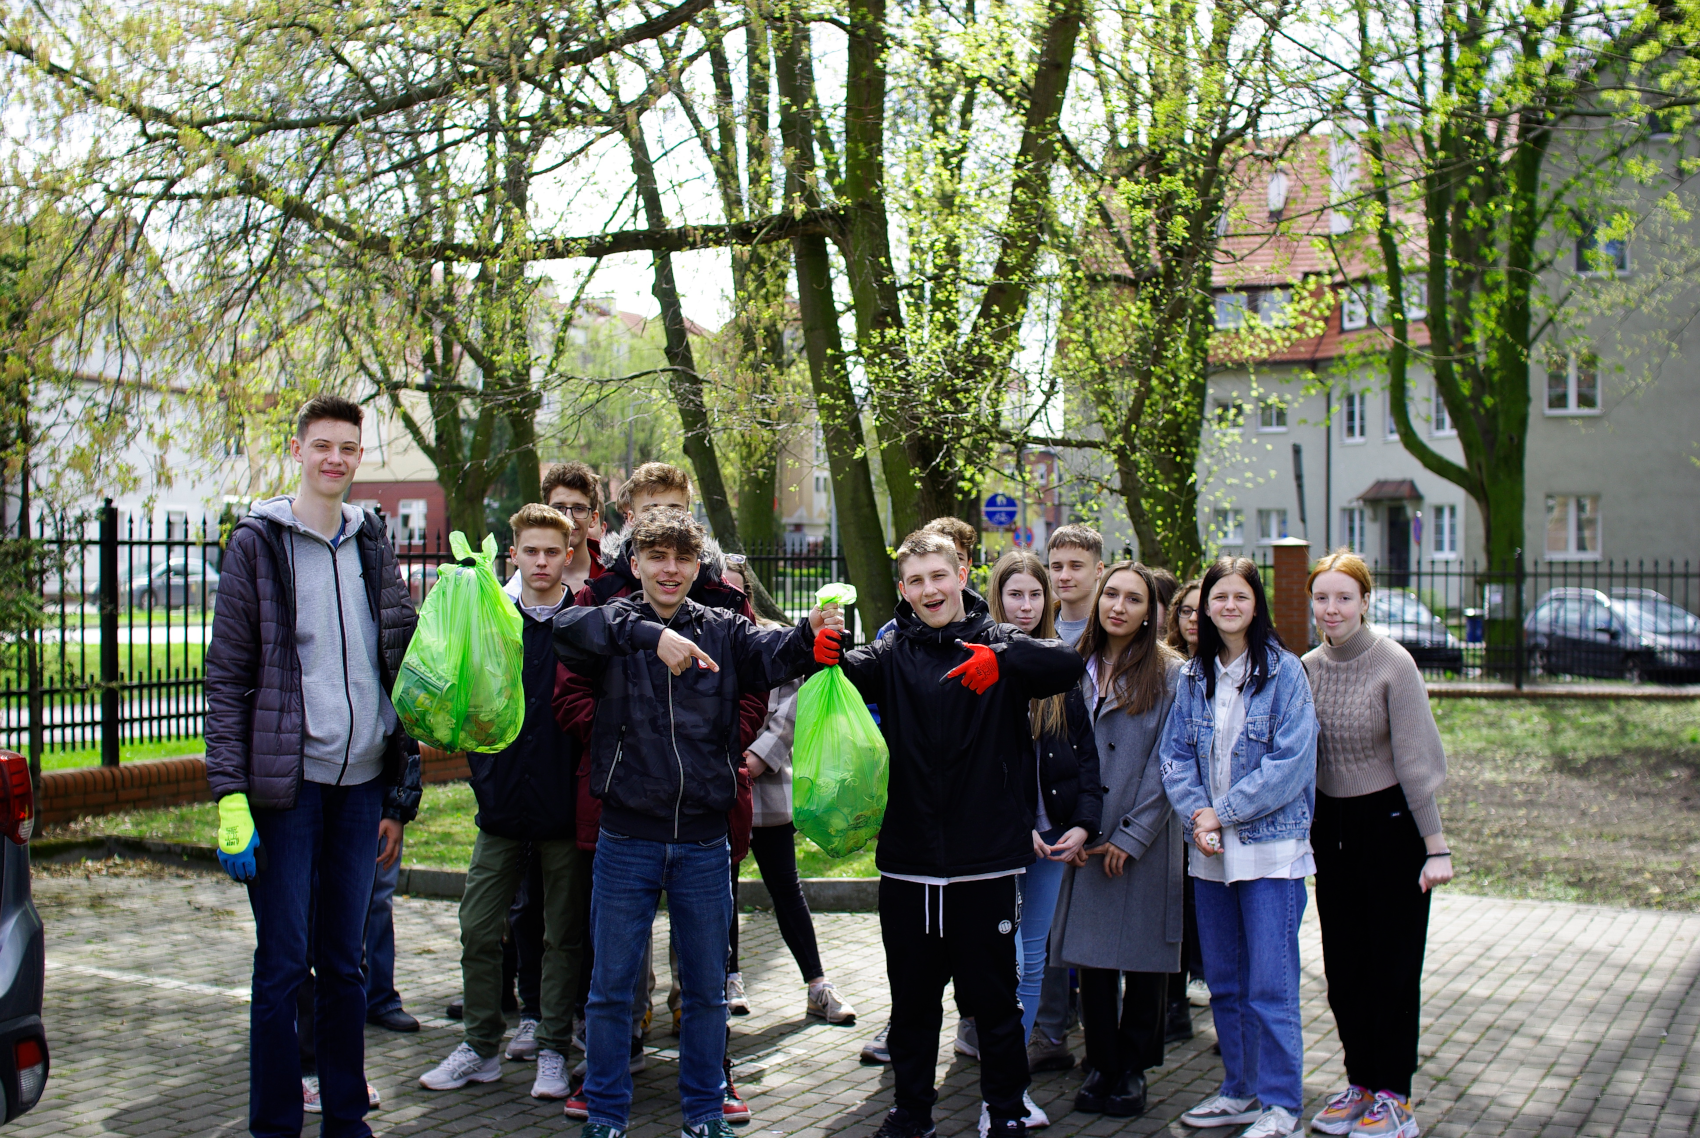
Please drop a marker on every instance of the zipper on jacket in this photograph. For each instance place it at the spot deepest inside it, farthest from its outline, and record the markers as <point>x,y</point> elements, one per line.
<point>347,689</point>
<point>619,748</point>
<point>673,736</point>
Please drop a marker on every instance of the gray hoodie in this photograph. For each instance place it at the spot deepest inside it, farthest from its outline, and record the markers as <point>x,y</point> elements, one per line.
<point>348,712</point>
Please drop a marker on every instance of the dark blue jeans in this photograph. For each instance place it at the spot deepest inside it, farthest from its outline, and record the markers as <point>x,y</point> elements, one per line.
<point>628,877</point>
<point>1250,935</point>
<point>381,996</point>
<point>333,830</point>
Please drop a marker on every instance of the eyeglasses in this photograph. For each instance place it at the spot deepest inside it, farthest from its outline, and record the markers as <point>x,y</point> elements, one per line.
<point>736,561</point>
<point>579,512</point>
<point>1186,612</point>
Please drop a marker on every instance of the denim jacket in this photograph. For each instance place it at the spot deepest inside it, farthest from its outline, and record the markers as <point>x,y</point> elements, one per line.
<point>1273,785</point>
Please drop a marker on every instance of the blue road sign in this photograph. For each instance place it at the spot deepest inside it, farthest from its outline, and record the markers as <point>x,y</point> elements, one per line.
<point>1001,511</point>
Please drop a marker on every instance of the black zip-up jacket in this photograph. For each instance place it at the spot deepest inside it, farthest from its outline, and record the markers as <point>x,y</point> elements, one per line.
<point>526,791</point>
<point>664,749</point>
<point>1068,770</point>
<point>255,715</point>
<point>959,802</point>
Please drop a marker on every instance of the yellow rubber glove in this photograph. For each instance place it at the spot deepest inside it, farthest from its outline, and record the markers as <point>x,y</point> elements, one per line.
<point>239,850</point>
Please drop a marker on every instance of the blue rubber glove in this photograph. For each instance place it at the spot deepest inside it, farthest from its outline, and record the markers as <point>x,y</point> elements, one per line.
<point>239,850</point>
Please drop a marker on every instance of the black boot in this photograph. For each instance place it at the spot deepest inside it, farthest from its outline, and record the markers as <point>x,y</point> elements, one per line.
<point>1179,1026</point>
<point>1127,1097</point>
<point>1093,1097</point>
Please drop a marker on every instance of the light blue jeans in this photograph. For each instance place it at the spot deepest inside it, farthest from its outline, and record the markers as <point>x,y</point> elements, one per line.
<point>1039,888</point>
<point>1249,932</point>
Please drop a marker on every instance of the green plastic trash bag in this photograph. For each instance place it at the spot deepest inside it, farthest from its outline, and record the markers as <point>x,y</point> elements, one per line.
<point>839,761</point>
<point>462,686</point>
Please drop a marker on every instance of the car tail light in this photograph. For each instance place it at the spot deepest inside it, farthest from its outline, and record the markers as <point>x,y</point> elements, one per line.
<point>17,798</point>
<point>31,1055</point>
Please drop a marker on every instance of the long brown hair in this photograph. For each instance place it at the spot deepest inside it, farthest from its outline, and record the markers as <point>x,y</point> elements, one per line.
<point>1139,676</point>
<point>1176,639</point>
<point>1048,714</point>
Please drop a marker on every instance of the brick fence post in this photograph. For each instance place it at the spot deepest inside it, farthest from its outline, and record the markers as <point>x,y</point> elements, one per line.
<point>1290,607</point>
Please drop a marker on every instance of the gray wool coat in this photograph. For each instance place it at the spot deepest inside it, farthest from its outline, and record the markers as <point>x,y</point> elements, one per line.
<point>1130,923</point>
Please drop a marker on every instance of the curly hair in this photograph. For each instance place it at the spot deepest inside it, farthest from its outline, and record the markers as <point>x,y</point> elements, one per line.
<point>668,529</point>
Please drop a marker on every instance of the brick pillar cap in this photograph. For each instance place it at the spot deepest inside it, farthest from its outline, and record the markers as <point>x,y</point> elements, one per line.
<point>1292,541</point>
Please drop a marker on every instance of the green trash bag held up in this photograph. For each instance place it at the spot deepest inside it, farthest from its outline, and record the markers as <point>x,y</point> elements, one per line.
<point>838,761</point>
<point>461,686</point>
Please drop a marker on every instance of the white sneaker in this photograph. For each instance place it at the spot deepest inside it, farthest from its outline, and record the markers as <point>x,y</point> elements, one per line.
<point>1036,1119</point>
<point>736,1003</point>
<point>551,1081</point>
<point>463,1066</point>
<point>825,1003</point>
<point>1276,1122</point>
<point>639,1061</point>
<point>967,1038</point>
<point>1198,993</point>
<point>523,1046</point>
<point>310,1094</point>
<point>1220,1110</point>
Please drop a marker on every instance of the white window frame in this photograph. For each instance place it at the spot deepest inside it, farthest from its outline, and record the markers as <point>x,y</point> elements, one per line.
<point>1589,241</point>
<point>1227,414</point>
<point>1271,525</point>
<point>1354,413</point>
<point>1354,533</point>
<point>1573,526</point>
<point>1228,303</point>
<point>1445,545</point>
<point>1271,423</point>
<point>413,521</point>
<point>1439,418</point>
<point>1576,363</point>
<point>1354,308</point>
<point>1227,526</point>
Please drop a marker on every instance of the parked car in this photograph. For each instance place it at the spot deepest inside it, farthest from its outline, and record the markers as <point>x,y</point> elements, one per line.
<point>1399,615</point>
<point>1632,634</point>
<point>23,952</point>
<point>174,583</point>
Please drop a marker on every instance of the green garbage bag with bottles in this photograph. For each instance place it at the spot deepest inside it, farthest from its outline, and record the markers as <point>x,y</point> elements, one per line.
<point>461,686</point>
<point>839,761</point>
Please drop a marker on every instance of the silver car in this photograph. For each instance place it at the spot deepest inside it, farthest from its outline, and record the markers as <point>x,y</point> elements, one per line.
<point>1631,634</point>
<point>1399,615</point>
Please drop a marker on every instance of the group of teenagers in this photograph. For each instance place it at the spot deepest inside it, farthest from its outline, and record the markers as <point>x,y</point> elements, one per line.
<point>1092,769</point>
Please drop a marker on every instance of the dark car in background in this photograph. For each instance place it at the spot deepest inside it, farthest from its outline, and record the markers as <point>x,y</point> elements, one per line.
<point>1399,615</point>
<point>174,583</point>
<point>1631,634</point>
<point>23,953</point>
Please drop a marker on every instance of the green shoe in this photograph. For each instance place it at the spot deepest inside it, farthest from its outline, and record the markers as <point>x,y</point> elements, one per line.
<point>601,1130</point>
<point>713,1128</point>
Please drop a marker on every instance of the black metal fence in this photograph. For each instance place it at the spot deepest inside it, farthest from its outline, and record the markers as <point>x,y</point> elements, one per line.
<point>117,659</point>
<point>1546,621</point>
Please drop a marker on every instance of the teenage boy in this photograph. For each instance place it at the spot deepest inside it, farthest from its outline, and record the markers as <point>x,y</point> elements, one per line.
<point>1076,555</point>
<point>964,537</point>
<point>303,750</point>
<point>667,674</point>
<point>958,823</point>
<point>525,799</point>
<point>573,489</point>
<point>659,486</point>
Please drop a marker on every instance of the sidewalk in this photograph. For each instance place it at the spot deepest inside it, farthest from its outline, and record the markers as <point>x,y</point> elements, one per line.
<point>1546,1019</point>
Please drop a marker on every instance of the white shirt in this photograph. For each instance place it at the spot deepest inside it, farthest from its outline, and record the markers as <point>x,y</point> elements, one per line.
<point>1241,861</point>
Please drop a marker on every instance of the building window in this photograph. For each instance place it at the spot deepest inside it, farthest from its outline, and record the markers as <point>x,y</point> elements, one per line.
<point>411,520</point>
<point>1355,425</point>
<point>820,484</point>
<point>1227,527</point>
<point>1352,529</point>
<point>1230,414</point>
<point>1230,309</point>
<point>1271,526</point>
<point>1601,258</point>
<point>1363,304</point>
<point>1271,415</point>
<point>1573,383</point>
<point>1354,309</point>
<point>1445,532</point>
<point>1440,419</point>
<point>1573,526</point>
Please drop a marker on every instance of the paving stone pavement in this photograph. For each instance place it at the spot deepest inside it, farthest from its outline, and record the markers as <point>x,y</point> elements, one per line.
<point>1540,1019</point>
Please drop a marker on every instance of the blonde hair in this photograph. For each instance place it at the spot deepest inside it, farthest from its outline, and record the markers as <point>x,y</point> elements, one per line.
<point>535,515</point>
<point>1343,560</point>
<point>653,477</point>
<point>923,542</point>
<point>1049,714</point>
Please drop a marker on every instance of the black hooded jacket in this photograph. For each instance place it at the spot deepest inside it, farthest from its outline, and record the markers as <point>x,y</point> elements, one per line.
<point>526,791</point>
<point>960,801</point>
<point>665,749</point>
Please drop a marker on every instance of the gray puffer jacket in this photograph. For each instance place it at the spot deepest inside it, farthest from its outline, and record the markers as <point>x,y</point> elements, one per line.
<point>256,717</point>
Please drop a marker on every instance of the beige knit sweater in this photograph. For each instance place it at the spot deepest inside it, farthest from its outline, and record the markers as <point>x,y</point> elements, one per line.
<point>1376,725</point>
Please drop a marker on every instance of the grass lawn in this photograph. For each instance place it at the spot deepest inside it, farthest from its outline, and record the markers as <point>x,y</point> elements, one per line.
<point>1562,800</point>
<point>128,753</point>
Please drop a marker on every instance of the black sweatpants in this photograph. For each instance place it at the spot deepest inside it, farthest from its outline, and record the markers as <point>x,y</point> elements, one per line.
<point>963,932</point>
<point>1374,930</point>
<point>1135,1043</point>
<point>775,850</point>
<point>525,934</point>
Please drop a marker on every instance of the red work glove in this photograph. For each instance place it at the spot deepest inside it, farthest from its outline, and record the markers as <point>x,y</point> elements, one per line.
<point>826,646</point>
<point>979,671</point>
